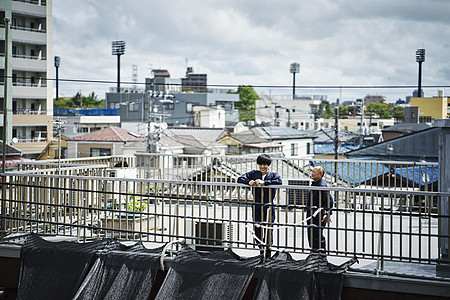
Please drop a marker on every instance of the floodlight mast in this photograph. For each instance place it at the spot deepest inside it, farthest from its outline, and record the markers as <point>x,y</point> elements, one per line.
<point>57,65</point>
<point>295,68</point>
<point>420,58</point>
<point>118,48</point>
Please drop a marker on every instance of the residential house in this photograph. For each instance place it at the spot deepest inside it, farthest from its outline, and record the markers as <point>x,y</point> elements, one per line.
<point>12,158</point>
<point>56,148</point>
<point>181,140</point>
<point>289,141</point>
<point>103,142</point>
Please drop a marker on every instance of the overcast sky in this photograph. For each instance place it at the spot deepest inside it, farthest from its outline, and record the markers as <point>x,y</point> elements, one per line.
<point>253,42</point>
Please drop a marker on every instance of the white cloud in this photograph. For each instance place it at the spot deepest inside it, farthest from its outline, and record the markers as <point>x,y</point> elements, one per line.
<point>339,42</point>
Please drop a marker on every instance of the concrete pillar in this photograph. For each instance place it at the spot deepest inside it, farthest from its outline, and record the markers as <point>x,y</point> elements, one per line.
<point>443,268</point>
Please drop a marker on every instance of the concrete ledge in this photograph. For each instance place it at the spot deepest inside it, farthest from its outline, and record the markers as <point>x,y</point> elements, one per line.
<point>353,280</point>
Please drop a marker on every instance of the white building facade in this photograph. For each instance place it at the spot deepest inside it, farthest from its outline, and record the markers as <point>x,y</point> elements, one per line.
<point>30,61</point>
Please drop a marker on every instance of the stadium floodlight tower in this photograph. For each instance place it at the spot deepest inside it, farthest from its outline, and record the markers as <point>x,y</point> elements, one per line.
<point>118,48</point>
<point>57,65</point>
<point>420,58</point>
<point>295,68</point>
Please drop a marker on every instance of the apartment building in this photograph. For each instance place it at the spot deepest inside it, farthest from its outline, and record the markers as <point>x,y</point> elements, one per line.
<point>430,108</point>
<point>30,94</point>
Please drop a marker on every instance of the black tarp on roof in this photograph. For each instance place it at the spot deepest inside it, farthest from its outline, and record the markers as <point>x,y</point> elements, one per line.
<point>126,274</point>
<point>55,270</point>
<point>312,278</point>
<point>216,275</point>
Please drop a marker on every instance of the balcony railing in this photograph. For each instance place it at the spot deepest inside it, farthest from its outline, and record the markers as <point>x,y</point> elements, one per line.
<point>34,57</point>
<point>23,28</point>
<point>380,219</point>
<point>36,2</point>
<point>29,112</point>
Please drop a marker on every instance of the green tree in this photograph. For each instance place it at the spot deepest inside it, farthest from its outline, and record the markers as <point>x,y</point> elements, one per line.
<point>80,101</point>
<point>398,112</point>
<point>343,110</point>
<point>381,109</point>
<point>328,113</point>
<point>246,103</point>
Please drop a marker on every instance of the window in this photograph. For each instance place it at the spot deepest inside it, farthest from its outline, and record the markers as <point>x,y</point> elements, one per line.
<point>100,152</point>
<point>83,130</point>
<point>294,150</point>
<point>133,106</point>
<point>308,148</point>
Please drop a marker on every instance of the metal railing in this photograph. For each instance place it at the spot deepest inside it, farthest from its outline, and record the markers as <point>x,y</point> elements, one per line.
<point>397,175</point>
<point>371,223</point>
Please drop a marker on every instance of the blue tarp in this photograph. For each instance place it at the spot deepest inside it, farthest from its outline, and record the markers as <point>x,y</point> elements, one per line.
<point>419,175</point>
<point>85,112</point>
<point>328,148</point>
<point>354,173</point>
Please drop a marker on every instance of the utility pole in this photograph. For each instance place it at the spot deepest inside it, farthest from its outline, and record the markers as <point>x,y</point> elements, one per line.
<point>361,130</point>
<point>336,147</point>
<point>336,133</point>
<point>58,124</point>
<point>5,132</point>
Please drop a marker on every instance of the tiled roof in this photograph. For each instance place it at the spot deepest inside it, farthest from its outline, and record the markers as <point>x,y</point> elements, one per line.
<point>275,132</point>
<point>10,150</point>
<point>110,134</point>
<point>204,135</point>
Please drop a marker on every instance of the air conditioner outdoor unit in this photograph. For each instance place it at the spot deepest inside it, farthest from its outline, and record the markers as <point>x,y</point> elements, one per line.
<point>209,235</point>
<point>295,196</point>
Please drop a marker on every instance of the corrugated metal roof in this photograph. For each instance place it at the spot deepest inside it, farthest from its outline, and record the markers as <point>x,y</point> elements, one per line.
<point>419,145</point>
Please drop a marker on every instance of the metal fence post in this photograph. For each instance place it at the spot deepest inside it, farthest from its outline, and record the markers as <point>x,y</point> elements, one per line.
<point>443,268</point>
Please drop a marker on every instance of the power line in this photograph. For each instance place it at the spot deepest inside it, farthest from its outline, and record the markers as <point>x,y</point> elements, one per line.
<point>255,86</point>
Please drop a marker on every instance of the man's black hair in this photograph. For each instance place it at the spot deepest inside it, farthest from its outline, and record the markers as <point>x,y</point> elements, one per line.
<point>264,159</point>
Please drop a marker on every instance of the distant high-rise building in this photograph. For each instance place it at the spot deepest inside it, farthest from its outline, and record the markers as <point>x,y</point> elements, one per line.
<point>374,99</point>
<point>30,53</point>
<point>195,82</point>
<point>161,82</point>
<point>416,93</point>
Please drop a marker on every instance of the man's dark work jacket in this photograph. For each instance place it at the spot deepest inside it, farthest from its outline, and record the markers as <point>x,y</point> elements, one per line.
<point>321,198</point>
<point>272,178</point>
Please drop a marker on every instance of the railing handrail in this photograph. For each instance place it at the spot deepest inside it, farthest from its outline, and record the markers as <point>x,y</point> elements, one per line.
<point>222,184</point>
<point>276,158</point>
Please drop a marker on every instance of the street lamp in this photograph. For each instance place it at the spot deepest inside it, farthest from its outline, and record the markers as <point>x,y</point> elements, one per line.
<point>420,58</point>
<point>57,64</point>
<point>295,68</point>
<point>118,48</point>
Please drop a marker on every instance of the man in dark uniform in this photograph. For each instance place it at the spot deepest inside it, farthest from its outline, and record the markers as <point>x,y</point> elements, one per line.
<point>319,200</point>
<point>263,197</point>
